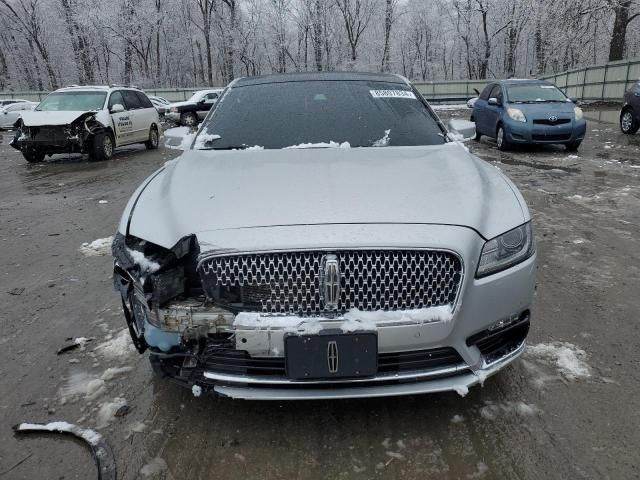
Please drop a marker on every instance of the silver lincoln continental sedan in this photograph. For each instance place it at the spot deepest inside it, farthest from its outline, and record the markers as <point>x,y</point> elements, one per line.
<point>325,236</point>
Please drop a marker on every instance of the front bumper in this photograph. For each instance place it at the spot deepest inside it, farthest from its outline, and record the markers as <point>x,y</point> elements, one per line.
<point>486,333</point>
<point>529,133</point>
<point>173,116</point>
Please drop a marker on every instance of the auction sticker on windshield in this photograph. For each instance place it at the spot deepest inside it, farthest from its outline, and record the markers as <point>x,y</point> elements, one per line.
<point>392,94</point>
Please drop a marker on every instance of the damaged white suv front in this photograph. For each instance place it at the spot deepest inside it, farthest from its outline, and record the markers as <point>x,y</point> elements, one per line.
<point>87,119</point>
<point>310,254</point>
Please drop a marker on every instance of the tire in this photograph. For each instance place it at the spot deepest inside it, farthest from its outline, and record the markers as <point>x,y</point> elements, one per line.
<point>33,156</point>
<point>628,123</point>
<point>188,119</point>
<point>154,139</point>
<point>102,147</point>
<point>572,147</point>
<point>501,141</point>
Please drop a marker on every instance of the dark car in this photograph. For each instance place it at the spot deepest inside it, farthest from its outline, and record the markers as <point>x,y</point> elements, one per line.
<point>630,113</point>
<point>189,112</point>
<point>528,112</point>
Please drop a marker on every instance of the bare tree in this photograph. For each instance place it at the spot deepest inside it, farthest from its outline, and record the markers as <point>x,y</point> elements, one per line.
<point>622,10</point>
<point>356,15</point>
<point>389,19</point>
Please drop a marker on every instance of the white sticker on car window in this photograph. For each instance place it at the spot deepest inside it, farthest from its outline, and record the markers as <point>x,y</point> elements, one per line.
<point>392,94</point>
<point>547,86</point>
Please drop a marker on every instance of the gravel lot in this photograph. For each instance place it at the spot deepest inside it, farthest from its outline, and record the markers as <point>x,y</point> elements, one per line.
<point>568,409</point>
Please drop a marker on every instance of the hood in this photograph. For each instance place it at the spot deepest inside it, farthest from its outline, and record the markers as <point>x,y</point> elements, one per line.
<point>544,109</point>
<point>206,191</point>
<point>180,104</point>
<point>33,118</point>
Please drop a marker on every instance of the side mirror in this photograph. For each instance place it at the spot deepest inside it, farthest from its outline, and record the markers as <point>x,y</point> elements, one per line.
<point>493,101</point>
<point>179,138</point>
<point>574,100</point>
<point>461,130</point>
<point>117,108</point>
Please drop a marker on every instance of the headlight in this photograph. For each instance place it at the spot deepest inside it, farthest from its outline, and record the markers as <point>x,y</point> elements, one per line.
<point>516,114</point>
<point>173,109</point>
<point>578,112</point>
<point>506,250</point>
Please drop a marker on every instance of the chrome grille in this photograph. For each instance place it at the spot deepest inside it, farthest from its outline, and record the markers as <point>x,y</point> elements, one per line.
<point>290,282</point>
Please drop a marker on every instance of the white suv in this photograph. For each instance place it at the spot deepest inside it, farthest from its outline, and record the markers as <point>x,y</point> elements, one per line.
<point>92,120</point>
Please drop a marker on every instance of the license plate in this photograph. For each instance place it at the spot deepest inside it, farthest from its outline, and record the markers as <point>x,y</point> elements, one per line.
<point>326,356</point>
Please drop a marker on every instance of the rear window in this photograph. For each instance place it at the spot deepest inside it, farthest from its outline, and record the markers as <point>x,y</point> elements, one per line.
<point>144,100</point>
<point>315,113</point>
<point>73,101</point>
<point>534,93</point>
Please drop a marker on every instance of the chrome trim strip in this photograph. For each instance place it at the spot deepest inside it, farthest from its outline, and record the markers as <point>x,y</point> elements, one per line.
<point>243,379</point>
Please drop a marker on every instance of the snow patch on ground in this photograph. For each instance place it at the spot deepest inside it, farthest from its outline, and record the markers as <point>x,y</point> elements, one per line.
<point>568,359</point>
<point>101,246</point>
<point>107,411</point>
<point>196,390</point>
<point>83,384</point>
<point>111,373</point>
<point>457,419</point>
<point>155,467</point>
<point>481,469</point>
<point>185,134</point>
<point>491,410</point>
<point>118,348</point>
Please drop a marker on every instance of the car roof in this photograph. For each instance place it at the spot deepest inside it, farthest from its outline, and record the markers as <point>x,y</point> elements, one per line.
<point>320,76</point>
<point>515,81</point>
<point>96,88</point>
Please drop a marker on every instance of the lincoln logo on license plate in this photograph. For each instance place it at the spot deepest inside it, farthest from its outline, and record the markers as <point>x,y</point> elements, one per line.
<point>332,356</point>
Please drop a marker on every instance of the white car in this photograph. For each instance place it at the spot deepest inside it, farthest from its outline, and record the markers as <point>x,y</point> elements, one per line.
<point>8,101</point>
<point>10,114</point>
<point>161,104</point>
<point>90,119</point>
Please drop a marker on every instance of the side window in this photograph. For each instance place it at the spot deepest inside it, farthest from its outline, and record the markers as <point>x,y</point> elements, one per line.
<point>496,92</point>
<point>116,97</point>
<point>131,100</point>
<point>144,100</point>
<point>485,93</point>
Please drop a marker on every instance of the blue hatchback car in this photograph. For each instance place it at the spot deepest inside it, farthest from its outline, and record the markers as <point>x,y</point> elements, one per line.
<point>528,112</point>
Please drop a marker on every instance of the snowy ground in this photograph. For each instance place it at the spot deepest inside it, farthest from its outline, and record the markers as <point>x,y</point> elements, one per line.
<point>567,409</point>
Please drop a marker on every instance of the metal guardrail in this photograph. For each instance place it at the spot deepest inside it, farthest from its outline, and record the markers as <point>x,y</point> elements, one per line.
<point>606,82</point>
<point>603,82</point>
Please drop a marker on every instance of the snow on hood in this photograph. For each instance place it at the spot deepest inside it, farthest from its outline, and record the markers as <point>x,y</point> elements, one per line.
<point>208,191</point>
<point>180,104</point>
<point>35,118</point>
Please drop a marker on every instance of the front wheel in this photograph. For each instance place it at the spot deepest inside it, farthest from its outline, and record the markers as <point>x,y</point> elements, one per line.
<point>501,140</point>
<point>189,119</point>
<point>33,156</point>
<point>152,143</point>
<point>102,147</point>
<point>628,124</point>
<point>573,146</point>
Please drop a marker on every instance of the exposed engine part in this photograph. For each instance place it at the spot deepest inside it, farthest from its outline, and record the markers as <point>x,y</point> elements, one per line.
<point>100,449</point>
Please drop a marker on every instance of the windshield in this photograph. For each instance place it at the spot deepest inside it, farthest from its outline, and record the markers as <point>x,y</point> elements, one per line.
<point>532,92</point>
<point>195,97</point>
<point>316,114</point>
<point>73,102</point>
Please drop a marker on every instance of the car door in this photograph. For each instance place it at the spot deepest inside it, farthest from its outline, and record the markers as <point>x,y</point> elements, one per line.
<point>205,104</point>
<point>493,112</point>
<point>147,115</point>
<point>139,131</point>
<point>122,123</point>
<point>479,109</point>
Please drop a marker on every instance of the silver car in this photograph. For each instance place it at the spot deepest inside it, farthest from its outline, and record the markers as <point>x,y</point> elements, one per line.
<point>9,114</point>
<point>325,236</point>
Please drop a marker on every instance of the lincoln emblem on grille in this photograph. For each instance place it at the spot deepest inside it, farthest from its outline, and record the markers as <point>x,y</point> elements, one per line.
<point>330,281</point>
<point>332,356</point>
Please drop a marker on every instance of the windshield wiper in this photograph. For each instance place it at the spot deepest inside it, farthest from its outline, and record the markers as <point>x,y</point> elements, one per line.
<point>231,147</point>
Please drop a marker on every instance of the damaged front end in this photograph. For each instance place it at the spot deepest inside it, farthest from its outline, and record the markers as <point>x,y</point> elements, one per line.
<point>75,137</point>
